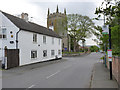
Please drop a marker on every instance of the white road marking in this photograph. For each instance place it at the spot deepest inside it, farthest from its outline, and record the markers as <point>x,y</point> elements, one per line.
<point>52,74</point>
<point>31,86</point>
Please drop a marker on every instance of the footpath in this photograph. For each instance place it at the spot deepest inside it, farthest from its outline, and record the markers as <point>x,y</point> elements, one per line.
<point>101,77</point>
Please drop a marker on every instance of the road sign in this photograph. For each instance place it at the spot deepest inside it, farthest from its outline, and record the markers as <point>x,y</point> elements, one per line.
<point>105,29</point>
<point>110,54</point>
<point>65,48</point>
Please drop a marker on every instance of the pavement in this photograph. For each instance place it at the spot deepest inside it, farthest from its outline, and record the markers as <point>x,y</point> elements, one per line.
<point>101,77</point>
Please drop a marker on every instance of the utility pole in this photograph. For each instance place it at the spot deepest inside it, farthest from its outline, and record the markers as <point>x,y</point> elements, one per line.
<point>110,62</point>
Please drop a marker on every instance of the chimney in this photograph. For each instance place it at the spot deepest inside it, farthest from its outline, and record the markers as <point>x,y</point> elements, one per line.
<point>24,16</point>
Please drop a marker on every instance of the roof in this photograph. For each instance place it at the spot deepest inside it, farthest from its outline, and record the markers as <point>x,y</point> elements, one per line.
<point>29,26</point>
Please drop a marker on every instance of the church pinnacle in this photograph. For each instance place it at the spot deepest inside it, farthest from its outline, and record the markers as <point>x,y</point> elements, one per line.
<point>48,11</point>
<point>65,11</point>
<point>57,10</point>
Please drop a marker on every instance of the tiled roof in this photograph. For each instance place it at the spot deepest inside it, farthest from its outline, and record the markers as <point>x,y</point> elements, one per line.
<point>29,26</point>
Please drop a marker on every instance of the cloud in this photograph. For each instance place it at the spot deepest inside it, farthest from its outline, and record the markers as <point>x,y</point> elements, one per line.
<point>38,8</point>
<point>64,0</point>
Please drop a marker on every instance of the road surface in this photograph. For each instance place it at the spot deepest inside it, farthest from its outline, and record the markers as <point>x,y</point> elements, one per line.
<point>69,72</point>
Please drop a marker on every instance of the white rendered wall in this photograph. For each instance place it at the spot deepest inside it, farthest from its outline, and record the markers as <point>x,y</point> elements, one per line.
<point>0,39</point>
<point>6,23</point>
<point>25,44</point>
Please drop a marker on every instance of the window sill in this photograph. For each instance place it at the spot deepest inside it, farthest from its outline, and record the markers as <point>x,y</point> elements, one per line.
<point>34,42</point>
<point>34,58</point>
<point>44,57</point>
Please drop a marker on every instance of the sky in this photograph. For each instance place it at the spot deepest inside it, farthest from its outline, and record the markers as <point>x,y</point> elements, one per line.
<point>37,9</point>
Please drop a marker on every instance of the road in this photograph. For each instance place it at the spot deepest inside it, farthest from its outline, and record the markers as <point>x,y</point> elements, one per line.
<point>69,72</point>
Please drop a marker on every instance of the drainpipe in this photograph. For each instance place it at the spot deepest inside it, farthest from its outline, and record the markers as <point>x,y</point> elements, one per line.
<point>17,39</point>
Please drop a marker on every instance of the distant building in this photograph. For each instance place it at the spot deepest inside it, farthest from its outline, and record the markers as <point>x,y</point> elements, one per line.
<point>58,22</point>
<point>32,42</point>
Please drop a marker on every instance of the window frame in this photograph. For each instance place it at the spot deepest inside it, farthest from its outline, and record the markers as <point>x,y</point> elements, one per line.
<point>3,34</point>
<point>45,54</point>
<point>34,38</point>
<point>44,39</point>
<point>33,55</point>
<point>52,40</point>
<point>59,41</point>
<point>59,52</point>
<point>52,52</point>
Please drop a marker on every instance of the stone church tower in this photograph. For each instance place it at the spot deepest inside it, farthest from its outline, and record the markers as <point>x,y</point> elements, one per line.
<point>58,22</point>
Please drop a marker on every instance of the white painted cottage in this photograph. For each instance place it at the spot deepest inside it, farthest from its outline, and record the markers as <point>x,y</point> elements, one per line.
<point>35,43</point>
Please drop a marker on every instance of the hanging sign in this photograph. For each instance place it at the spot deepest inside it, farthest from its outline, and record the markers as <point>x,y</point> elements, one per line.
<point>110,54</point>
<point>105,29</point>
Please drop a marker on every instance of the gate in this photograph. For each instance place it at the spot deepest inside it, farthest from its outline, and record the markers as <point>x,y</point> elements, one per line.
<point>12,58</point>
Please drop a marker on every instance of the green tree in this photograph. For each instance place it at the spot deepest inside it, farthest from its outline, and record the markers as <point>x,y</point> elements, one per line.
<point>112,13</point>
<point>94,48</point>
<point>101,40</point>
<point>80,27</point>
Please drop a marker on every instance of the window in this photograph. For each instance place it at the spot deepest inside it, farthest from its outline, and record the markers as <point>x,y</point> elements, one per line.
<point>52,40</point>
<point>59,41</point>
<point>59,52</point>
<point>33,54</point>
<point>34,37</point>
<point>3,33</point>
<point>44,39</point>
<point>44,53</point>
<point>52,52</point>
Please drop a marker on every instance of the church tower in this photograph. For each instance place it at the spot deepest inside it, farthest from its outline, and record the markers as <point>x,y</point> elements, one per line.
<point>58,22</point>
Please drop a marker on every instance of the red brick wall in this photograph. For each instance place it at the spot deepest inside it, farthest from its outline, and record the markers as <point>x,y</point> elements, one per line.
<point>115,68</point>
<point>119,71</point>
<point>115,64</point>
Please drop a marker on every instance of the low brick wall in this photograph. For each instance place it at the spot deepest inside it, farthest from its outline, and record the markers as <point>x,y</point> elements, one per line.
<point>77,54</point>
<point>115,68</point>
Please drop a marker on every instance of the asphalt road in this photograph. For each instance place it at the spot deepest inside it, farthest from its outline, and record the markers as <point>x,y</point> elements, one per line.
<point>69,72</point>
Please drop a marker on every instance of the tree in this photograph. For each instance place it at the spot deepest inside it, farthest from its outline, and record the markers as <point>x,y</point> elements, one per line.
<point>112,13</point>
<point>94,48</point>
<point>101,40</point>
<point>80,27</point>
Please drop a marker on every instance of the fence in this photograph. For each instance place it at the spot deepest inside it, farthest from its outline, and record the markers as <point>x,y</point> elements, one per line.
<point>12,58</point>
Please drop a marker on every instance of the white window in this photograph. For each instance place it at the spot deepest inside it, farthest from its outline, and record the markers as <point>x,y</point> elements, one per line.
<point>44,53</point>
<point>3,33</point>
<point>44,39</point>
<point>33,54</point>
<point>34,37</point>
<point>52,40</point>
<point>52,52</point>
<point>59,52</point>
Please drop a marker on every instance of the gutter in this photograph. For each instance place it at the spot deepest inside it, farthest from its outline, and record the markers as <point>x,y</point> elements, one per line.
<point>17,39</point>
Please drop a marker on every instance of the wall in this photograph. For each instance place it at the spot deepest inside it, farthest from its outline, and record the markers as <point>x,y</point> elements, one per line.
<point>25,44</point>
<point>0,33</point>
<point>115,68</point>
<point>6,23</point>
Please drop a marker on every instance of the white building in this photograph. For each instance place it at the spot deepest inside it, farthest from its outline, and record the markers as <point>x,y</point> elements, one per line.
<point>35,43</point>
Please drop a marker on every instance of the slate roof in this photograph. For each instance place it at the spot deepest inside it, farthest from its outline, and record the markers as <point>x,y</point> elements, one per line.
<point>29,26</point>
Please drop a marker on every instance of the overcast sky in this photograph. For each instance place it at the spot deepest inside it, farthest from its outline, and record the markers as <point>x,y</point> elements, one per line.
<point>38,9</point>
